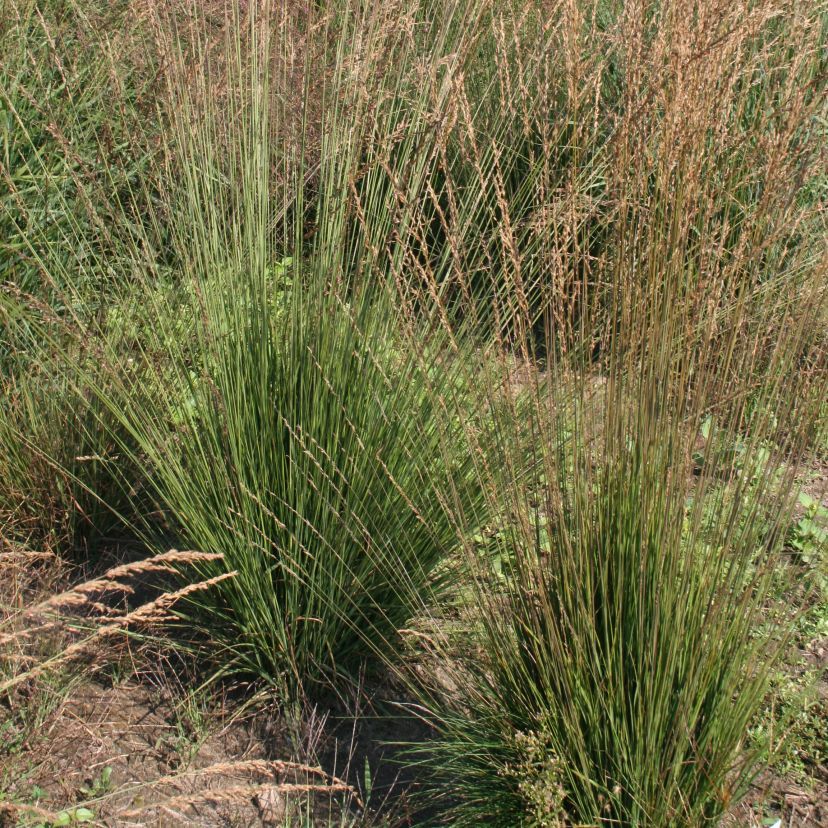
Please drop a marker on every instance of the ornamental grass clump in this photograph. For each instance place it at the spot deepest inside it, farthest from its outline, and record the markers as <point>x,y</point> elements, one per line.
<point>285,407</point>
<point>607,668</point>
<point>621,626</point>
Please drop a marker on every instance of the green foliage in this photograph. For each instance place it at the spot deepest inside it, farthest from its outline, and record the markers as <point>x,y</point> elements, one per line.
<point>792,721</point>
<point>614,644</point>
<point>67,142</point>
<point>809,534</point>
<point>101,784</point>
<point>68,155</point>
<point>71,816</point>
<point>327,549</point>
<point>61,477</point>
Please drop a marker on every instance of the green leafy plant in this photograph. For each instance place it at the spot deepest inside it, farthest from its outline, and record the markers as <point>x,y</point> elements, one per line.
<point>100,784</point>
<point>809,534</point>
<point>71,816</point>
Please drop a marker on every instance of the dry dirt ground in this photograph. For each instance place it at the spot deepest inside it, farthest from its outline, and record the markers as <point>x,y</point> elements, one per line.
<point>132,754</point>
<point>129,755</point>
<point>122,749</point>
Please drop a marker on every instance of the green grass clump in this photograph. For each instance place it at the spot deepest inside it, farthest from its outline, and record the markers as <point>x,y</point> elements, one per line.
<point>283,407</point>
<point>69,124</point>
<point>310,453</point>
<point>610,673</point>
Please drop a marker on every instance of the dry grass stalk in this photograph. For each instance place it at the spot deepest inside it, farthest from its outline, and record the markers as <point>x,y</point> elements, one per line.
<point>247,768</point>
<point>240,794</point>
<point>112,579</point>
<point>153,612</point>
<point>251,766</point>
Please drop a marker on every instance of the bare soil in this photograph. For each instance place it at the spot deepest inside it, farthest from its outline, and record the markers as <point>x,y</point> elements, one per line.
<point>160,773</point>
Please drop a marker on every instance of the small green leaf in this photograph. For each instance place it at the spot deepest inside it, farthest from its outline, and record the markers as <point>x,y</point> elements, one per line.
<point>806,500</point>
